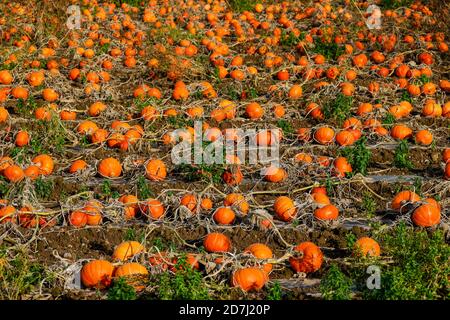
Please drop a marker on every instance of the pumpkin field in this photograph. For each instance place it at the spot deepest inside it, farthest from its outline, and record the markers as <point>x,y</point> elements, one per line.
<point>96,97</point>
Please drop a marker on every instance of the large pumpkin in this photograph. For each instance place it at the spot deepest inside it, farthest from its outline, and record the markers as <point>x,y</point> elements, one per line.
<point>127,249</point>
<point>311,260</point>
<point>249,279</point>
<point>97,274</point>
<point>217,242</point>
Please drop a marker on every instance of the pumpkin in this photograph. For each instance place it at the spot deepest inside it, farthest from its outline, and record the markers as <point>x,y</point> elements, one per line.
<point>190,202</point>
<point>14,173</point>
<point>50,95</point>
<point>424,137</point>
<point>110,167</point>
<point>191,260</point>
<point>311,260</point>
<point>427,215</point>
<point>285,208</point>
<point>233,176</point>
<point>274,174</point>
<point>345,138</point>
<point>22,138</point>
<point>254,110</point>
<point>321,199</point>
<point>126,250</point>
<point>4,114</point>
<point>45,163</point>
<point>341,166</point>
<point>402,199</point>
<point>249,279</point>
<point>224,216</point>
<point>400,132</point>
<point>7,214</point>
<point>97,274</point>
<point>236,200</point>
<point>93,215</point>
<point>78,218</point>
<point>152,208</point>
<point>324,135</point>
<point>217,242</point>
<point>156,170</point>
<point>327,212</point>
<point>134,273</point>
<point>77,166</point>
<point>367,247</point>
<point>261,251</point>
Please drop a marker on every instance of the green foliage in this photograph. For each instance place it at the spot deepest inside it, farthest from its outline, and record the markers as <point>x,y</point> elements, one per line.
<point>339,108</point>
<point>143,188</point>
<point>351,239</point>
<point>180,121</point>
<point>121,290</point>
<point>369,204</point>
<point>388,119</point>
<point>19,276</point>
<point>401,156</point>
<point>186,284</point>
<point>107,190</point>
<point>335,285</point>
<point>242,5</point>
<point>26,107</point>
<point>330,50</point>
<point>406,96</point>
<point>394,4</point>
<point>288,129</point>
<point>358,155</point>
<point>275,292</point>
<point>201,172</point>
<point>43,188</point>
<point>420,270</point>
<point>4,186</point>
<point>289,39</point>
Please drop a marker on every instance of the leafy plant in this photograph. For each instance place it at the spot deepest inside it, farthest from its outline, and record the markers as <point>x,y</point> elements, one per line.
<point>275,292</point>
<point>186,284</point>
<point>420,269</point>
<point>369,204</point>
<point>107,190</point>
<point>121,290</point>
<point>394,4</point>
<point>388,119</point>
<point>288,129</point>
<point>401,156</point>
<point>358,155</point>
<point>204,172</point>
<point>339,108</point>
<point>329,50</point>
<point>289,39</point>
<point>43,188</point>
<point>143,189</point>
<point>335,285</point>
<point>242,5</point>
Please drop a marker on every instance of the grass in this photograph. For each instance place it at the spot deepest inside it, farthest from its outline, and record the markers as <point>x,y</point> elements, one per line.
<point>401,156</point>
<point>394,4</point>
<point>242,5</point>
<point>369,204</point>
<point>108,191</point>
<point>288,129</point>
<point>358,156</point>
<point>330,50</point>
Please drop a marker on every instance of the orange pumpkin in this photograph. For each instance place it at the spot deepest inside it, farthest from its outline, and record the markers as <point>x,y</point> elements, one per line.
<point>249,279</point>
<point>261,251</point>
<point>156,170</point>
<point>328,212</point>
<point>97,274</point>
<point>217,242</point>
<point>237,201</point>
<point>403,198</point>
<point>110,168</point>
<point>224,216</point>
<point>285,208</point>
<point>367,247</point>
<point>324,135</point>
<point>427,215</point>
<point>126,250</point>
<point>311,260</point>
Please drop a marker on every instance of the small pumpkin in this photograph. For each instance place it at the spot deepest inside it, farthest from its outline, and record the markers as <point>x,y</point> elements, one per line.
<point>237,201</point>
<point>403,199</point>
<point>367,247</point>
<point>427,215</point>
<point>224,216</point>
<point>327,212</point>
<point>110,167</point>
<point>261,251</point>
